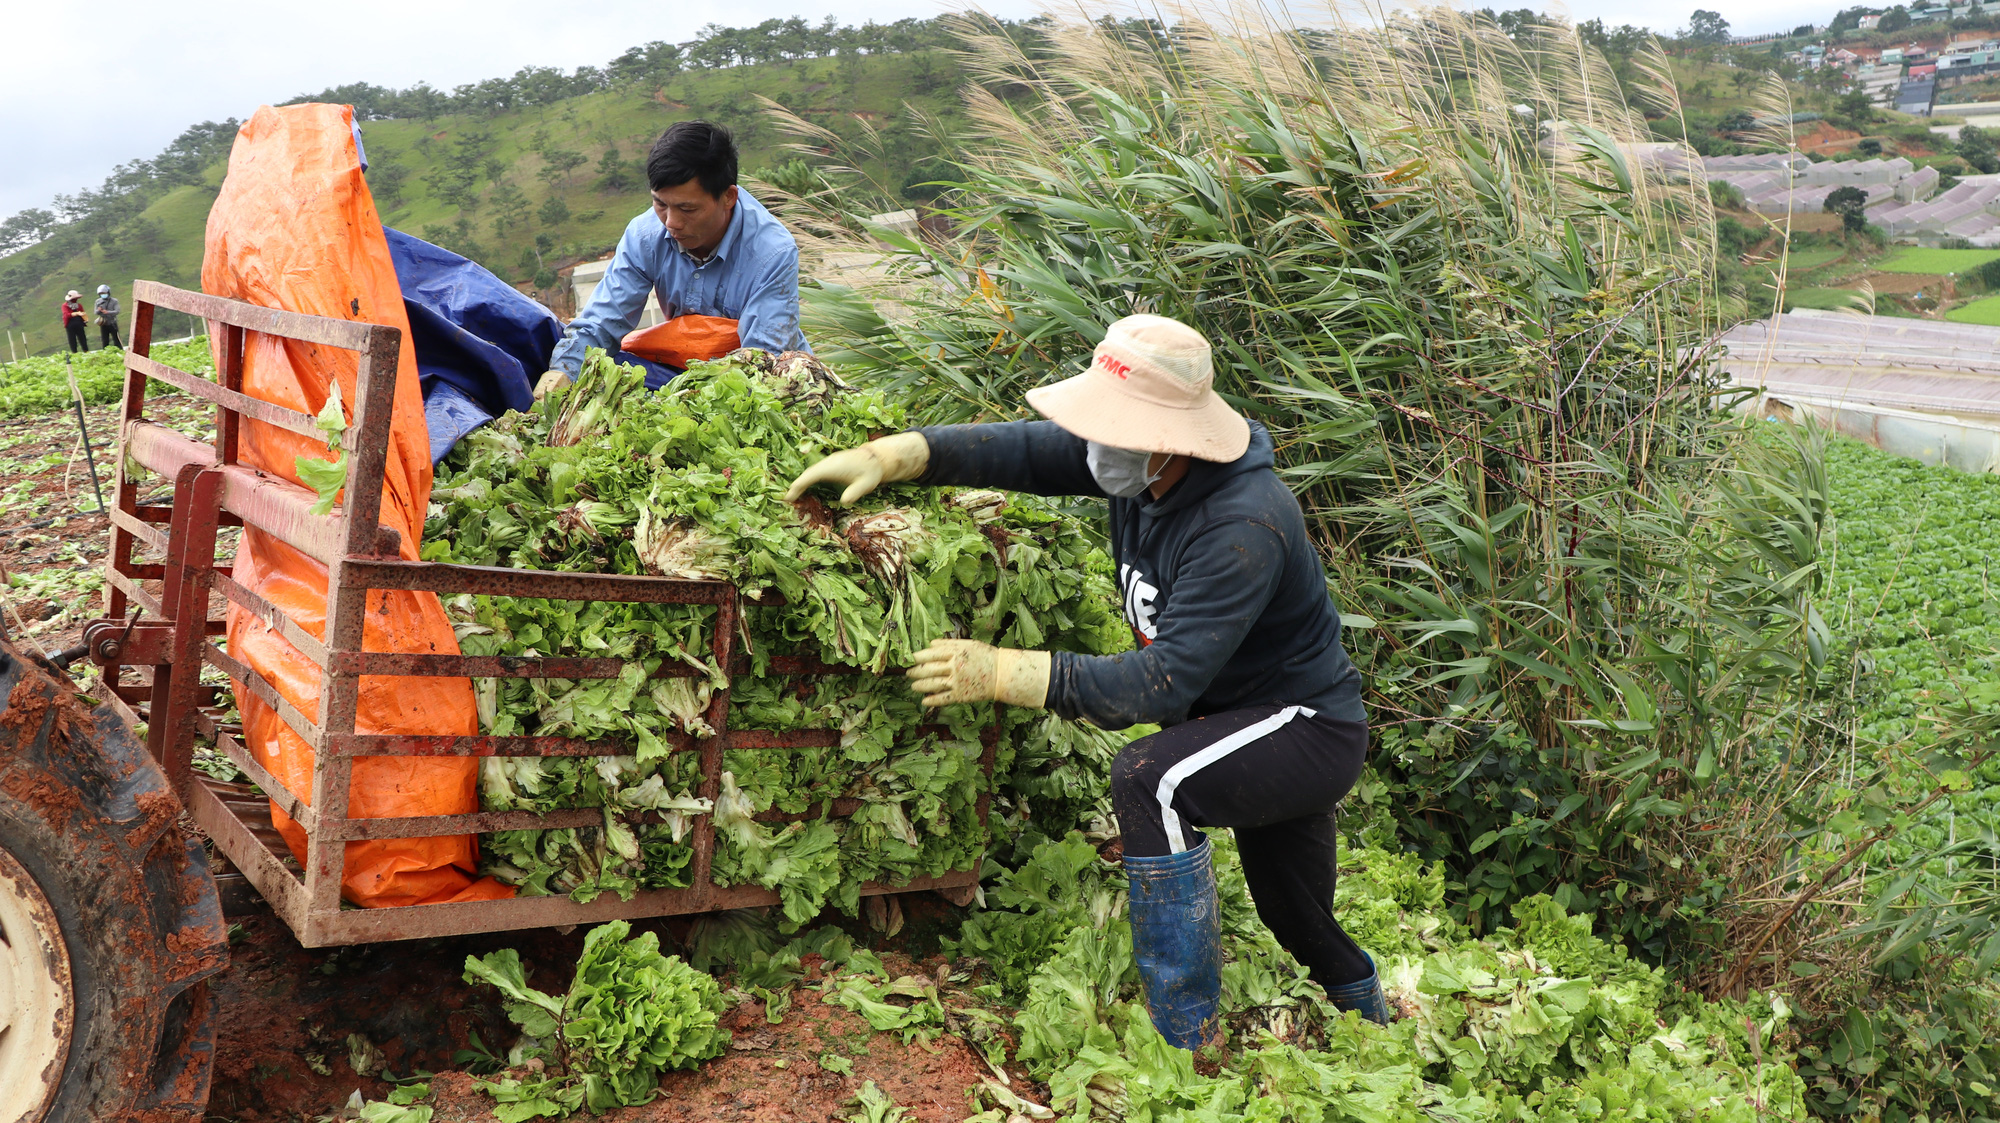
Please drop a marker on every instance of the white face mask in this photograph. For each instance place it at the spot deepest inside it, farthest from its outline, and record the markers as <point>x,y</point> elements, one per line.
<point>1121,471</point>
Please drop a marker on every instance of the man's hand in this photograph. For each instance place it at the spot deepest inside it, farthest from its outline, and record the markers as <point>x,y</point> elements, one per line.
<point>553,380</point>
<point>965,670</point>
<point>885,460</point>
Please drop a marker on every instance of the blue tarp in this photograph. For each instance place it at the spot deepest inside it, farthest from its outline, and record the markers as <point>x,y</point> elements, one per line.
<point>480,343</point>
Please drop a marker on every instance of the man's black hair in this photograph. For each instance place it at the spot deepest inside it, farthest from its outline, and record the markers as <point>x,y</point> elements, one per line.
<point>696,150</point>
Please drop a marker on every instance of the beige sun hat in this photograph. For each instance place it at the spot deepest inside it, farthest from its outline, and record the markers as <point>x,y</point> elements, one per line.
<point>1149,388</point>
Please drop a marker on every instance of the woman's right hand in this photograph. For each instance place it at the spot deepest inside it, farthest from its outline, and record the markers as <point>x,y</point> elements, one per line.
<point>891,459</point>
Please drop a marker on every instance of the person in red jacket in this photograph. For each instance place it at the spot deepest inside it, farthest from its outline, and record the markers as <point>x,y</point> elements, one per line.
<point>73,321</point>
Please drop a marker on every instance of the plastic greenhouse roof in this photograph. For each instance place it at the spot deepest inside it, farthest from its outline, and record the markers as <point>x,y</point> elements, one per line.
<point>1928,366</point>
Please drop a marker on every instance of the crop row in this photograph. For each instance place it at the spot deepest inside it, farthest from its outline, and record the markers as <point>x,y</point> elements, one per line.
<point>40,384</point>
<point>1912,593</point>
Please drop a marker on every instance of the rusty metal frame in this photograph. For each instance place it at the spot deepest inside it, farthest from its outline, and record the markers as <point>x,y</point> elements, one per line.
<point>167,628</point>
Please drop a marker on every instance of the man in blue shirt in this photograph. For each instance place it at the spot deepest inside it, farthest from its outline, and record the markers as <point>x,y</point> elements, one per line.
<point>707,248</point>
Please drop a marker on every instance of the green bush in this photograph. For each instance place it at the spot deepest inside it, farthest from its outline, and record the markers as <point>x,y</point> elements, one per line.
<point>1733,238</point>
<point>1847,202</point>
<point>1935,1056</point>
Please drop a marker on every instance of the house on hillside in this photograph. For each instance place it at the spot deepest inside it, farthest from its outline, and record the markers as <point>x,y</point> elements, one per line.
<point>1870,23</point>
<point>1969,62</point>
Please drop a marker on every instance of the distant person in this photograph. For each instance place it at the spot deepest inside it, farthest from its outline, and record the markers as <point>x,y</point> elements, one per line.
<point>107,319</point>
<point>708,249</point>
<point>72,318</point>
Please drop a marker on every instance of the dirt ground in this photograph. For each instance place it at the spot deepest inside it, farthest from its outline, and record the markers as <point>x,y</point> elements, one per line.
<point>52,540</point>
<point>1901,284</point>
<point>1820,136</point>
<point>295,1022</point>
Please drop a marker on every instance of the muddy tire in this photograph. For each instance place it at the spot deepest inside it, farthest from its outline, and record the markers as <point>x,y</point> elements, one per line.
<point>109,921</point>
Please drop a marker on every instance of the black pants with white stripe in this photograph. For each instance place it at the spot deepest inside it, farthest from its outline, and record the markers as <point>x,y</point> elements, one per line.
<point>1274,774</point>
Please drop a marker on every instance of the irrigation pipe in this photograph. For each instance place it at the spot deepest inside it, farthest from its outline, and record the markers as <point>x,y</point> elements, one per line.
<point>76,398</point>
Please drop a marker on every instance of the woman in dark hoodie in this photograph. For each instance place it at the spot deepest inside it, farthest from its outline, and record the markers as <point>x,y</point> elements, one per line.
<point>1238,658</point>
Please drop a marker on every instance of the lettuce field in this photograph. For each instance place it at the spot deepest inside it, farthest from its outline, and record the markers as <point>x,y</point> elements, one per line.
<point>1985,311</point>
<point>1540,1018</point>
<point>41,383</point>
<point>1912,584</point>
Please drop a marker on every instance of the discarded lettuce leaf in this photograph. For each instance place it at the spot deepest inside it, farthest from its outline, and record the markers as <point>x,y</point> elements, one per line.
<point>630,1014</point>
<point>326,476</point>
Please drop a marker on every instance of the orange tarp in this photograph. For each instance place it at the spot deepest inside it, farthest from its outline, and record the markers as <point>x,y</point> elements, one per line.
<point>296,228</point>
<point>683,340</point>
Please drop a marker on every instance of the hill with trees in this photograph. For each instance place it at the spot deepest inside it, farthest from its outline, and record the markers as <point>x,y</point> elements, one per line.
<point>527,173</point>
<point>535,171</point>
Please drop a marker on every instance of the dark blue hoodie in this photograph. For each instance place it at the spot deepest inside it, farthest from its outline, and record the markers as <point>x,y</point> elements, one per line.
<point>1220,583</point>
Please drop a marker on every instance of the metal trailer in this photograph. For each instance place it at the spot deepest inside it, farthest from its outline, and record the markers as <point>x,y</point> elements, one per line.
<point>170,633</point>
<point>109,919</point>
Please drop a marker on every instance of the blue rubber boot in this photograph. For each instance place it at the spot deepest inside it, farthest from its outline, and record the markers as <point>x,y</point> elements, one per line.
<point>1177,941</point>
<point>1364,995</point>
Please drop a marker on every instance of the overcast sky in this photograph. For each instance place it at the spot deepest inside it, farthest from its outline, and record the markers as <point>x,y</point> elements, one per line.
<point>87,86</point>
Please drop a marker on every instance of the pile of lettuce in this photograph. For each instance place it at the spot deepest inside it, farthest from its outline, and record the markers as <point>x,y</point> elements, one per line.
<point>1542,1021</point>
<point>689,482</point>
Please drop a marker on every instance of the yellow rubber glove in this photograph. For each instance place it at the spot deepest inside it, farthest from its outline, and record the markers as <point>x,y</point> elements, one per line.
<point>885,460</point>
<point>965,670</point>
<point>553,380</point>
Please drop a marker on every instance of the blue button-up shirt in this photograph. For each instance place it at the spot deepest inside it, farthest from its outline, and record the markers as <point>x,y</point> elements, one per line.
<point>752,278</point>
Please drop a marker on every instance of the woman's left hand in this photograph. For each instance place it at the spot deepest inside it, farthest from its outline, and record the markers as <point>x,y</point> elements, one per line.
<point>965,670</point>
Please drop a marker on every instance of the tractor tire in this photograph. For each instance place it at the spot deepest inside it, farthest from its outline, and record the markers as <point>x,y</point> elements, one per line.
<point>109,921</point>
